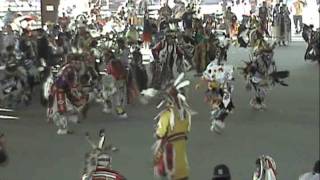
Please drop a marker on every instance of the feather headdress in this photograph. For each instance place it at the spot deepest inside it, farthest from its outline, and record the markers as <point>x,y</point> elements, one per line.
<point>174,96</point>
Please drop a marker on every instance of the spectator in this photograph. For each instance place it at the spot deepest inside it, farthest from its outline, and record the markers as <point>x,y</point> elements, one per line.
<point>283,23</point>
<point>122,13</point>
<point>275,27</point>
<point>263,15</point>
<point>298,6</point>
<point>314,175</point>
<point>288,22</point>
<point>228,20</point>
<point>132,35</point>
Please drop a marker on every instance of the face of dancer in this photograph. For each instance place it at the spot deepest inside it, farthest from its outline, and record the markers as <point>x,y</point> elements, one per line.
<point>174,95</point>
<point>76,64</point>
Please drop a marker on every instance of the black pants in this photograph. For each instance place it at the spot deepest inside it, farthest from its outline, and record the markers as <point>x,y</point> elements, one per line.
<point>297,19</point>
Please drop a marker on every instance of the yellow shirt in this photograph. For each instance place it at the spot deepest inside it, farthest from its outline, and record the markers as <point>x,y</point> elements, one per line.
<point>181,165</point>
<point>164,127</point>
<point>298,6</point>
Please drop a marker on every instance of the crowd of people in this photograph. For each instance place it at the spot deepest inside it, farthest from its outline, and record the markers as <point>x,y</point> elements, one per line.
<point>89,59</point>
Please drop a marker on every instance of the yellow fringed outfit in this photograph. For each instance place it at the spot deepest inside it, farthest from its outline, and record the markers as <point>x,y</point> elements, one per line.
<point>171,151</point>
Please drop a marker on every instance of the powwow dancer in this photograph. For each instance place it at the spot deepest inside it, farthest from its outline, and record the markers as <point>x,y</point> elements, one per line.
<point>65,97</point>
<point>266,169</point>
<point>166,54</point>
<point>219,93</point>
<point>115,85</point>
<point>174,123</point>
<point>260,73</point>
<point>98,163</point>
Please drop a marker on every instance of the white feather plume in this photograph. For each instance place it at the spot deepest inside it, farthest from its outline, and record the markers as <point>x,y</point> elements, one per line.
<point>157,116</point>
<point>149,92</point>
<point>182,97</point>
<point>103,73</point>
<point>179,79</point>
<point>160,104</point>
<point>183,84</point>
<point>8,117</point>
<point>156,146</point>
<point>6,110</point>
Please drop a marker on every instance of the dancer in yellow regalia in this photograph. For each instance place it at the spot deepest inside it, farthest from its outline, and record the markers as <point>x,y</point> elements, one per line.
<point>170,149</point>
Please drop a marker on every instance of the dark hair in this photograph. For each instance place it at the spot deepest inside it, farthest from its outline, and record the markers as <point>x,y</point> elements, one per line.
<point>93,43</point>
<point>221,172</point>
